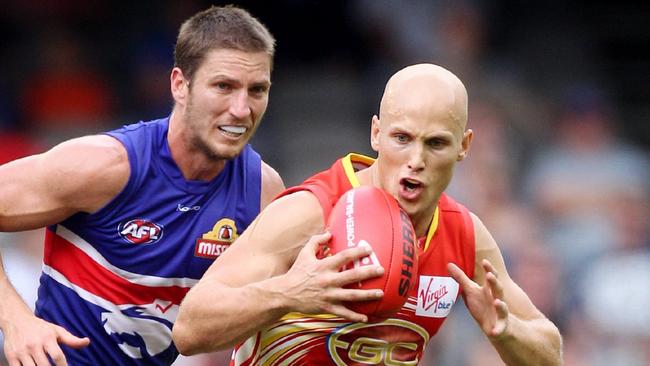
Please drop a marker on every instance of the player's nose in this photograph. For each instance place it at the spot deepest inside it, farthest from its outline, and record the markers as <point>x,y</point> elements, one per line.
<point>240,104</point>
<point>416,158</point>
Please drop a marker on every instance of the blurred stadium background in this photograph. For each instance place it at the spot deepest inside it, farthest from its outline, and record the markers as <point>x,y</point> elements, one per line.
<point>559,102</point>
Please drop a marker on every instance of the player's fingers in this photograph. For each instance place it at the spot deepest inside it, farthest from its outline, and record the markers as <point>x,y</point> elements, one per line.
<point>488,267</point>
<point>352,295</point>
<point>26,360</point>
<point>357,274</point>
<point>460,276</point>
<point>346,256</point>
<point>322,238</point>
<point>500,327</point>
<point>495,285</point>
<point>314,243</point>
<point>12,358</point>
<point>40,359</point>
<point>65,337</point>
<point>56,354</point>
<point>342,311</point>
<point>502,308</point>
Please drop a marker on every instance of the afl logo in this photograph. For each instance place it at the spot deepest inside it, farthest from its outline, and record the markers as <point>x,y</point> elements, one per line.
<point>140,231</point>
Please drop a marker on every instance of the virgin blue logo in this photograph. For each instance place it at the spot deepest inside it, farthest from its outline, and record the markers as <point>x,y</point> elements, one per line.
<point>140,231</point>
<point>436,296</point>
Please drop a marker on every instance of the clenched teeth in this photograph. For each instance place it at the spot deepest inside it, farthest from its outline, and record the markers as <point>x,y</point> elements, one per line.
<point>233,129</point>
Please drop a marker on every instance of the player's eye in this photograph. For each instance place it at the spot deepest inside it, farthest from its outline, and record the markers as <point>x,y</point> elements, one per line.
<point>437,143</point>
<point>401,138</point>
<point>259,89</point>
<point>223,86</point>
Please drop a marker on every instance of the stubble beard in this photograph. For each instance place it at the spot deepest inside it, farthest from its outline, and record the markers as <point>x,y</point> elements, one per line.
<point>196,140</point>
<point>200,145</point>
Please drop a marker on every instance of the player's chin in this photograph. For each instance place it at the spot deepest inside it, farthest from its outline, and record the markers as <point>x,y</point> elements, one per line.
<point>412,208</point>
<point>228,152</point>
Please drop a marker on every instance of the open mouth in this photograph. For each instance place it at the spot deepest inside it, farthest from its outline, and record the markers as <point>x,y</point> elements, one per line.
<point>233,131</point>
<point>410,185</point>
<point>410,189</point>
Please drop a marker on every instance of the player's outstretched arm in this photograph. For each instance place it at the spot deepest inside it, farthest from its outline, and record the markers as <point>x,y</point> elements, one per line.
<point>78,175</point>
<point>520,333</point>
<point>271,270</point>
<point>28,339</point>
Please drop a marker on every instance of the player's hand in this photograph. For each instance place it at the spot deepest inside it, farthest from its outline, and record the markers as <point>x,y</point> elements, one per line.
<point>315,285</point>
<point>485,302</point>
<point>31,340</point>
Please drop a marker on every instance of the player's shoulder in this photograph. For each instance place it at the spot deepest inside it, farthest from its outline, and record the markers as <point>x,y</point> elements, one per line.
<point>104,145</point>
<point>299,206</point>
<point>88,171</point>
<point>449,204</point>
<point>272,184</point>
<point>94,154</point>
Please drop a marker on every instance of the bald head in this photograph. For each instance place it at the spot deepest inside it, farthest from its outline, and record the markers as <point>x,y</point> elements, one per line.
<point>425,91</point>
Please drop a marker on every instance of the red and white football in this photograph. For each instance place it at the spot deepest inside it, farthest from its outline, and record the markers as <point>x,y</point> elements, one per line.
<point>371,216</point>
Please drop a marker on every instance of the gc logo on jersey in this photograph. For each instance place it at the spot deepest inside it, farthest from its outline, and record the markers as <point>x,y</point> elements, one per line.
<point>217,240</point>
<point>373,343</point>
<point>140,231</point>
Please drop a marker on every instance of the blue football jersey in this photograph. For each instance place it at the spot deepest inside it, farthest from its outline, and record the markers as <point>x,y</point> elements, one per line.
<point>118,275</point>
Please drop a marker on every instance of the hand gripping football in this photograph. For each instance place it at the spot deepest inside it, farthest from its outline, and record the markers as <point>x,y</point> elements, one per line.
<point>370,216</point>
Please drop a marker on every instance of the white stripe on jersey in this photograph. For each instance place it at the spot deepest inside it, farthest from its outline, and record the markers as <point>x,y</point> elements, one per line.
<point>140,279</point>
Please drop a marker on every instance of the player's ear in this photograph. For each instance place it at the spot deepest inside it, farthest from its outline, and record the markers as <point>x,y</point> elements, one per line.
<point>374,133</point>
<point>179,85</point>
<point>468,136</point>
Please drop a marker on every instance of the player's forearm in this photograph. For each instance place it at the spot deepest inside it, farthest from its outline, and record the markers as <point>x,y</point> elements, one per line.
<point>529,342</point>
<point>12,305</point>
<point>215,317</point>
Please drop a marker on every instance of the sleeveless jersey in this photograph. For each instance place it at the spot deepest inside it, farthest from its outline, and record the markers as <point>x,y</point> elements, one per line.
<point>118,276</point>
<point>299,339</point>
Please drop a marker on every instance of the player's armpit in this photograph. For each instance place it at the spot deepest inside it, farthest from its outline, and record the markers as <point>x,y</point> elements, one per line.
<point>272,185</point>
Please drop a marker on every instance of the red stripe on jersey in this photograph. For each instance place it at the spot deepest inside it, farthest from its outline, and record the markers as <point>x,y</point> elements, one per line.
<point>314,358</point>
<point>251,358</point>
<point>81,270</point>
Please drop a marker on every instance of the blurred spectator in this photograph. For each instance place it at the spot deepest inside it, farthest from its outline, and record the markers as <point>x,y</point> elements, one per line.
<point>17,144</point>
<point>457,34</point>
<point>580,174</point>
<point>614,290</point>
<point>592,188</point>
<point>66,95</point>
<point>150,68</point>
<point>14,141</point>
<point>150,58</point>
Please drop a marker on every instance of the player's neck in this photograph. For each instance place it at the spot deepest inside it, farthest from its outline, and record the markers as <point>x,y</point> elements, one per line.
<point>422,223</point>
